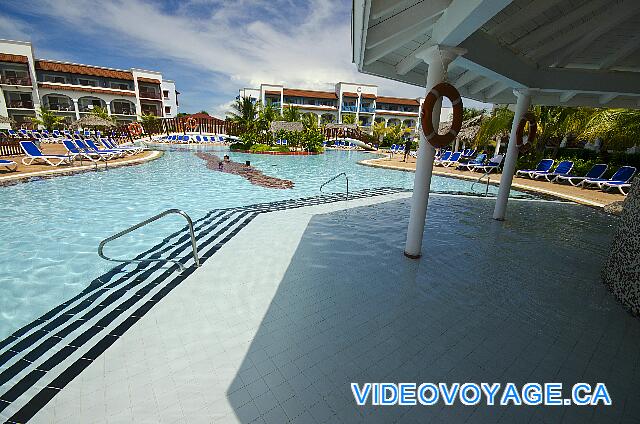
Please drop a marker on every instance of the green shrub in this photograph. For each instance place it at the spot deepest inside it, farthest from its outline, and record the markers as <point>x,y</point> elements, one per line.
<point>256,148</point>
<point>238,146</point>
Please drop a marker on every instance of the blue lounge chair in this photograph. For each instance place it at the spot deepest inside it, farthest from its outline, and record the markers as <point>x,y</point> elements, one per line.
<point>622,176</point>
<point>74,150</point>
<point>89,144</point>
<point>445,156</point>
<point>493,165</point>
<point>205,138</point>
<point>129,150</point>
<point>596,171</point>
<point>607,185</point>
<point>563,168</point>
<point>221,139</point>
<point>543,166</point>
<point>453,160</point>
<point>479,160</point>
<point>34,154</point>
<point>109,154</point>
<point>9,165</point>
<point>277,142</point>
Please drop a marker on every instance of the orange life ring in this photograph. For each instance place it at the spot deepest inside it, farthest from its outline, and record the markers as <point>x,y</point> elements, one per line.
<point>533,128</point>
<point>430,133</point>
<point>135,129</point>
<point>191,123</point>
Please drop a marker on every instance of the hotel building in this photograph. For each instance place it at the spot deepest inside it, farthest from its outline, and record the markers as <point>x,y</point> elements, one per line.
<point>71,90</point>
<point>361,100</point>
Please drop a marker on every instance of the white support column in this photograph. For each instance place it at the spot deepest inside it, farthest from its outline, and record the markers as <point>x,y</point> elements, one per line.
<point>438,58</point>
<point>522,105</point>
<point>108,108</point>
<point>358,108</point>
<point>386,122</point>
<point>76,108</point>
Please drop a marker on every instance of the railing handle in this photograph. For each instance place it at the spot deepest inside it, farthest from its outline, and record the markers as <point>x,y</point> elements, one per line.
<point>334,178</point>
<point>486,174</point>
<point>142,224</point>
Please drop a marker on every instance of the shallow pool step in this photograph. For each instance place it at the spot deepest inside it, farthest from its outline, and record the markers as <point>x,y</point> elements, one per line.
<point>41,358</point>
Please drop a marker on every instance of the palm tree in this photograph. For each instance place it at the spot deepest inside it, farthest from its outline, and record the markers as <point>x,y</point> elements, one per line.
<point>101,112</point>
<point>468,113</point>
<point>245,113</point>
<point>48,119</point>
<point>498,123</point>
<point>379,130</point>
<point>310,121</point>
<point>619,128</point>
<point>291,114</point>
<point>348,118</point>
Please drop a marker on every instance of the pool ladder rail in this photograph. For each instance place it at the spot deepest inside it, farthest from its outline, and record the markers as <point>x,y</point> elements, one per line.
<point>342,174</point>
<point>142,224</point>
<point>486,174</point>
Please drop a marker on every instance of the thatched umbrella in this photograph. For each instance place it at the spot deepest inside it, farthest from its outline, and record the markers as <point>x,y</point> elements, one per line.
<point>470,128</point>
<point>93,121</point>
<point>5,120</point>
<point>286,126</point>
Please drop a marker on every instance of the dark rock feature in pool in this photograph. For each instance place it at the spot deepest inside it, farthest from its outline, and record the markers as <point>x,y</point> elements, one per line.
<point>621,272</point>
<point>253,175</point>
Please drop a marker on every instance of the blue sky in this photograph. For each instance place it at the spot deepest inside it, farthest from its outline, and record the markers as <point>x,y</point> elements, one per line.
<point>211,48</point>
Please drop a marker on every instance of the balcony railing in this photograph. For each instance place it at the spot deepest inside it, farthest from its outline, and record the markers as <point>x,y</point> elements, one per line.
<point>367,109</point>
<point>153,112</point>
<point>86,108</point>
<point>60,107</point>
<point>15,80</point>
<point>349,108</point>
<point>123,111</point>
<point>20,104</point>
<point>150,94</point>
<point>274,104</point>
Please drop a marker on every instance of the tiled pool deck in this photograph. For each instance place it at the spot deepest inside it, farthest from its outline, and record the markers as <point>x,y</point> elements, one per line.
<point>301,302</point>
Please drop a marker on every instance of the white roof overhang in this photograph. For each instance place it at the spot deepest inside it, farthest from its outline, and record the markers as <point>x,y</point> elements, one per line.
<point>568,52</point>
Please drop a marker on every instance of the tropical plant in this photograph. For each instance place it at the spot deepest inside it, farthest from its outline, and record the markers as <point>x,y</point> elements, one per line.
<point>291,114</point>
<point>394,135</point>
<point>204,112</point>
<point>309,120</point>
<point>379,130</point>
<point>618,128</point>
<point>101,112</point>
<point>245,113</point>
<point>497,124</point>
<point>48,119</point>
<point>148,118</point>
<point>468,113</point>
<point>348,118</point>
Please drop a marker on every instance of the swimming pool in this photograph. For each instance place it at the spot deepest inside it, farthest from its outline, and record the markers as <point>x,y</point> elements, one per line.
<point>53,227</point>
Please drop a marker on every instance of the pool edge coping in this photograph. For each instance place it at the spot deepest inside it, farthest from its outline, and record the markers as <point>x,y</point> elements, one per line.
<point>56,172</point>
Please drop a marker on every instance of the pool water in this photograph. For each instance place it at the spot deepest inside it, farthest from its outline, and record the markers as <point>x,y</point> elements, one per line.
<point>51,227</point>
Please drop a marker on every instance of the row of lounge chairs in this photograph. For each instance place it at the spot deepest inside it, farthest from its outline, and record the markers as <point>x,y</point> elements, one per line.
<point>620,180</point>
<point>55,136</point>
<point>462,160</point>
<point>77,149</point>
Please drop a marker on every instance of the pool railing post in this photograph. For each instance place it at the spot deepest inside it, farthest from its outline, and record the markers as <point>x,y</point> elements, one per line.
<point>509,168</point>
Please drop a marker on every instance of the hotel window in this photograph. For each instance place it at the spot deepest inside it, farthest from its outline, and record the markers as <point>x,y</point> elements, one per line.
<point>87,82</point>
<point>167,109</point>
<point>165,94</point>
<point>59,79</point>
<point>120,86</point>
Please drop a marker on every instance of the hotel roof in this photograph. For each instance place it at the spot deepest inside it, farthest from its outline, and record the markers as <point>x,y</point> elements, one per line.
<point>73,68</point>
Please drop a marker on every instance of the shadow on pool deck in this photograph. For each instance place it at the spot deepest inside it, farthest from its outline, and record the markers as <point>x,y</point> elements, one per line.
<point>519,301</point>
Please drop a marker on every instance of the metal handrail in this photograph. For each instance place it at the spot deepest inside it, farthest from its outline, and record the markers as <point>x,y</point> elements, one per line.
<point>142,224</point>
<point>486,174</point>
<point>335,178</point>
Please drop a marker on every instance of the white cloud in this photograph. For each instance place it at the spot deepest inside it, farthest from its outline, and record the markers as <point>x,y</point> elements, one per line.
<point>14,29</point>
<point>299,44</point>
